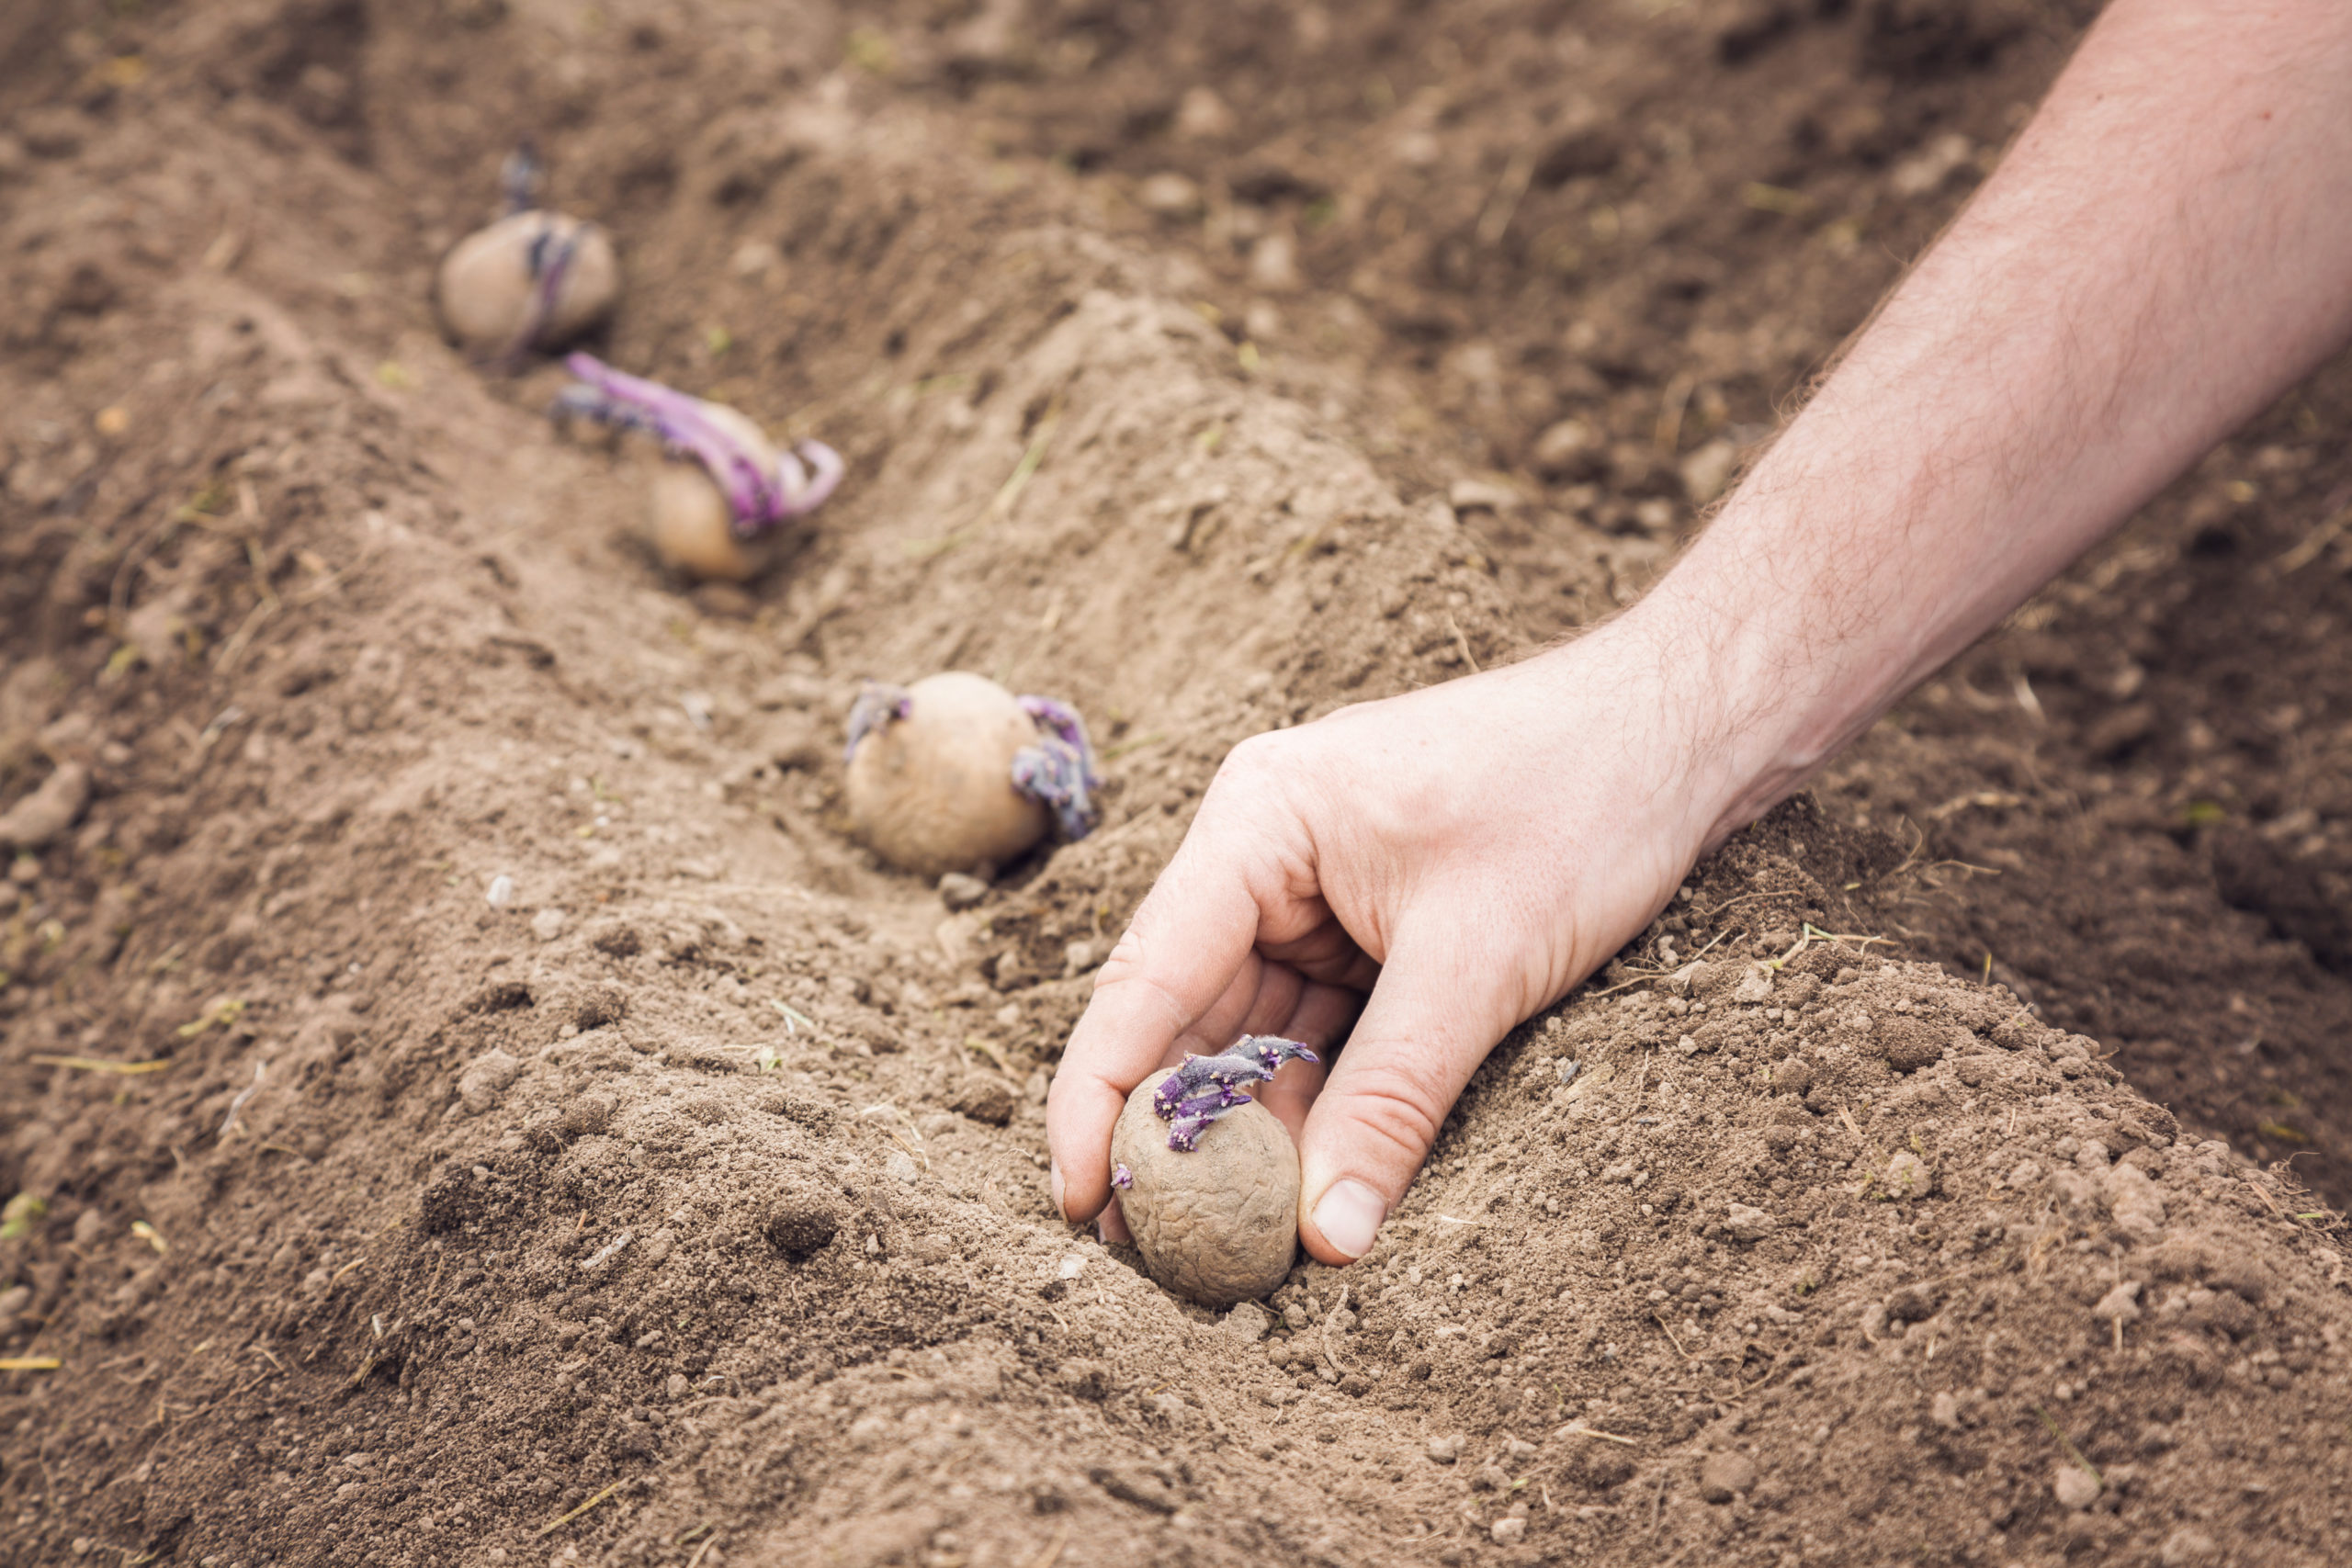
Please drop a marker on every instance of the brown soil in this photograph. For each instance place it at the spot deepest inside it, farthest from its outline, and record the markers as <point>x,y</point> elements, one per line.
<point>687,1207</point>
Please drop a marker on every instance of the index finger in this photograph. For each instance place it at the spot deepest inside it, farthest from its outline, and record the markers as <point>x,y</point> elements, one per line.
<point>1189,942</point>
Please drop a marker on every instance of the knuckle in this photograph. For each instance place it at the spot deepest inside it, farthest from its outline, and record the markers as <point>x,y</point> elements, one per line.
<point>1126,962</point>
<point>1256,762</point>
<point>1400,1104</point>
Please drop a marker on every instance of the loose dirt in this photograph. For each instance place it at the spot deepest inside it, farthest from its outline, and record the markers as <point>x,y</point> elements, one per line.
<point>550,1138</point>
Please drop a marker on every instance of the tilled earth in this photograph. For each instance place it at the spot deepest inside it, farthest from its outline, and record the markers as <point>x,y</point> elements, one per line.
<point>471,1101</point>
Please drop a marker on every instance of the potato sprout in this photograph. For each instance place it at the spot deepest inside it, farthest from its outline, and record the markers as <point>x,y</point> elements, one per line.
<point>715,515</point>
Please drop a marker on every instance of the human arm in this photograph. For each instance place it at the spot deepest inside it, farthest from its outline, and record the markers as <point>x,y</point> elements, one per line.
<point>2166,248</point>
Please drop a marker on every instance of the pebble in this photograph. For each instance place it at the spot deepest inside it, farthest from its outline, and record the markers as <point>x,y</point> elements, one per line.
<point>604,1254</point>
<point>902,1165</point>
<point>1170,195</point>
<point>548,923</point>
<point>1569,449</point>
<point>1274,264</point>
<point>755,258</point>
<point>1203,114</point>
<point>1445,1450</point>
<point>1507,1532</point>
<point>2073,1487</point>
<point>960,892</point>
<point>676,1386</point>
<point>41,816</point>
<point>502,891</point>
<point>1743,1222</point>
<point>1707,473</point>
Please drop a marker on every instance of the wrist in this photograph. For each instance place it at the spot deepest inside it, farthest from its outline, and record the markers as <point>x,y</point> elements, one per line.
<point>1660,666</point>
<point>1771,682</point>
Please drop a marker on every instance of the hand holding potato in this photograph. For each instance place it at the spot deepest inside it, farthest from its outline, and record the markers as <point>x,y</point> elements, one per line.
<point>1463,854</point>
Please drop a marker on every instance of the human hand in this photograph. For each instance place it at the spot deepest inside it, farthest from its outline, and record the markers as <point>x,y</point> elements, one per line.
<point>1464,854</point>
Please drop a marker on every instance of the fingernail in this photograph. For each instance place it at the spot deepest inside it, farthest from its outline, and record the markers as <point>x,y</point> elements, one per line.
<point>1350,1215</point>
<point>1055,1180</point>
<point>1113,1226</point>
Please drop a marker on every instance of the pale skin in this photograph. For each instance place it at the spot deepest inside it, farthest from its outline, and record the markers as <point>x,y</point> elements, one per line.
<point>2165,250</point>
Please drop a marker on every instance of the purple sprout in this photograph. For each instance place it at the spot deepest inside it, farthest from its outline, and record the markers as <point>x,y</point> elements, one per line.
<point>1058,770</point>
<point>1204,1087</point>
<point>549,257</point>
<point>519,176</point>
<point>1122,1178</point>
<point>757,498</point>
<point>879,704</point>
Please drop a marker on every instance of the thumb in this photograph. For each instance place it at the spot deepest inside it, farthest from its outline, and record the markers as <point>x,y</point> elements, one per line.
<point>1433,1016</point>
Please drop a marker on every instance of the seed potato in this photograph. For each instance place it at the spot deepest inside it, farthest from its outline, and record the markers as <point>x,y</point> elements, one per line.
<point>487,284</point>
<point>689,522</point>
<point>932,792</point>
<point>1217,1224</point>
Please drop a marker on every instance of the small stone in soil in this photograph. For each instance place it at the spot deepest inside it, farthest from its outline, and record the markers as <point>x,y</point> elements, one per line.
<point>960,892</point>
<point>2073,1487</point>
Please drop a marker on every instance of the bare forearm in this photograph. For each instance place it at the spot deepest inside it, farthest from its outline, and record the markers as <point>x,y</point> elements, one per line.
<point>2166,249</point>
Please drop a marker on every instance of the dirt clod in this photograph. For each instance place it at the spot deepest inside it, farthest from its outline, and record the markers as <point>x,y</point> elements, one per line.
<point>800,1226</point>
<point>984,1099</point>
<point>1725,1475</point>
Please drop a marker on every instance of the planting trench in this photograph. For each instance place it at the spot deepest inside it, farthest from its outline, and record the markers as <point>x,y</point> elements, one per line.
<point>688,1206</point>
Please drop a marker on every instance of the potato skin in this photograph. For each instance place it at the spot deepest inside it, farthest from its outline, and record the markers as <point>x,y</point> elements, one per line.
<point>483,287</point>
<point>1217,1224</point>
<point>932,792</point>
<point>690,526</point>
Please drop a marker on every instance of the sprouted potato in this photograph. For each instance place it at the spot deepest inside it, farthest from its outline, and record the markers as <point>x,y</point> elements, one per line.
<point>714,509</point>
<point>1207,1178</point>
<point>954,772</point>
<point>532,280</point>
